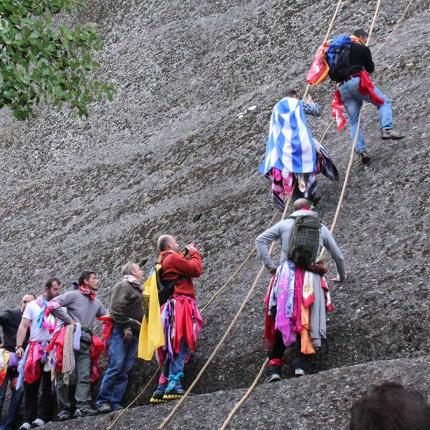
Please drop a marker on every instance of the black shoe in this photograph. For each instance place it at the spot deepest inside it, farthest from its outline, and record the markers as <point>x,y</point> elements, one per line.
<point>390,134</point>
<point>84,412</point>
<point>273,373</point>
<point>365,159</point>
<point>104,408</point>
<point>64,415</point>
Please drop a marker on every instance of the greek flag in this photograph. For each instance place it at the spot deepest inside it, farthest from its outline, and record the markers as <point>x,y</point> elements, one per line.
<point>290,146</point>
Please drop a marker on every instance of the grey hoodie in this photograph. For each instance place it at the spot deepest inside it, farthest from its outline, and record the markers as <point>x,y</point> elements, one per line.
<point>282,231</point>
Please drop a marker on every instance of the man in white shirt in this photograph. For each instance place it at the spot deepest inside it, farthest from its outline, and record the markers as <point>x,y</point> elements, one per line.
<point>36,370</point>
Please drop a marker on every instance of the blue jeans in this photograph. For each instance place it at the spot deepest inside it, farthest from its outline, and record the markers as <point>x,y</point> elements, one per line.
<point>173,367</point>
<point>121,359</point>
<point>353,100</point>
<point>15,402</point>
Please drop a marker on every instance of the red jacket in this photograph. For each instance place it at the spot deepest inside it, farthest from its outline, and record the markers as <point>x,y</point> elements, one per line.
<point>174,265</point>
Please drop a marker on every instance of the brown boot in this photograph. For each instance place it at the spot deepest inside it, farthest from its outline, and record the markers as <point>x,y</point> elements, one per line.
<point>390,134</point>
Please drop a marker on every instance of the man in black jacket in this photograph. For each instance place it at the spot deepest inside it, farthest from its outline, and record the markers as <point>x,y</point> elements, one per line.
<point>360,58</point>
<point>10,321</point>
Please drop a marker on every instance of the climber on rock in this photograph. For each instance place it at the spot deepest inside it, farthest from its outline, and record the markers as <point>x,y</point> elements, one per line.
<point>349,69</point>
<point>74,346</point>
<point>181,318</point>
<point>126,312</point>
<point>298,298</point>
<point>293,157</point>
<point>35,369</point>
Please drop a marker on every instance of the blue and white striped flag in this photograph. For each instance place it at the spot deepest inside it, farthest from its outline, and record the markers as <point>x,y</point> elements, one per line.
<point>290,144</point>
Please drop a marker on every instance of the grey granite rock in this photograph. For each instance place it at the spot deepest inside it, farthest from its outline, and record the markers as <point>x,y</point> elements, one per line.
<point>170,155</point>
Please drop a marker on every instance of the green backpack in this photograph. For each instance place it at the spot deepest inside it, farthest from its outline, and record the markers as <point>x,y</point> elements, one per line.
<point>304,241</point>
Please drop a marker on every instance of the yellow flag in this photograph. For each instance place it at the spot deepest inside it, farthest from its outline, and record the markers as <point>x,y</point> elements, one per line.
<point>151,331</point>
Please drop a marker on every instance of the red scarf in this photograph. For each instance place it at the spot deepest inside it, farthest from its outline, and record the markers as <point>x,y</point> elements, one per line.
<point>86,291</point>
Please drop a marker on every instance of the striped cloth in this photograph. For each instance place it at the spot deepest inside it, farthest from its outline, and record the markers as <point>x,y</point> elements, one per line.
<point>290,146</point>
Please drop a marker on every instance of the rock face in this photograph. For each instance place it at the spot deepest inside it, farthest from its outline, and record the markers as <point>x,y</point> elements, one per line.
<point>177,152</point>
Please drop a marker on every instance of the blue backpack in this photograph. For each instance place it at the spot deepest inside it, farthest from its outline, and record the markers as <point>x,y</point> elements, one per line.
<point>337,55</point>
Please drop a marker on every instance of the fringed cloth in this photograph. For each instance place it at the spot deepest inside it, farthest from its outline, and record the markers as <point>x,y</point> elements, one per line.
<point>284,182</point>
<point>296,303</point>
<point>61,352</point>
<point>181,321</point>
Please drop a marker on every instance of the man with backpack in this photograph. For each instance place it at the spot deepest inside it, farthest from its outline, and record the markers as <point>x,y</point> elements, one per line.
<point>126,312</point>
<point>350,61</point>
<point>298,297</point>
<point>180,316</point>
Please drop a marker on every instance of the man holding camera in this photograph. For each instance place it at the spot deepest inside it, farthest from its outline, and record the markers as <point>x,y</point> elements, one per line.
<point>181,318</point>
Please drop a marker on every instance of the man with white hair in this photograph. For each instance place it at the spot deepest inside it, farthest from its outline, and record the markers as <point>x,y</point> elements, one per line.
<point>127,313</point>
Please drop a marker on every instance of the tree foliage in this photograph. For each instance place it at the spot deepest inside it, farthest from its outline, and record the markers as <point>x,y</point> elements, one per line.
<point>46,62</point>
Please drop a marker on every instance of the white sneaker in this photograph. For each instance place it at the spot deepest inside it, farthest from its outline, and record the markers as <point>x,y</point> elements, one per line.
<point>39,423</point>
<point>25,426</point>
<point>299,372</point>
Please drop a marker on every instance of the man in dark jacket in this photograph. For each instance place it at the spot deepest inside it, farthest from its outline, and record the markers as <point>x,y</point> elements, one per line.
<point>181,318</point>
<point>127,314</point>
<point>361,59</point>
<point>10,321</point>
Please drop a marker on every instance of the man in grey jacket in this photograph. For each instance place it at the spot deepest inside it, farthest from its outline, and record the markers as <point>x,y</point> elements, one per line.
<point>83,307</point>
<point>283,327</point>
<point>127,313</point>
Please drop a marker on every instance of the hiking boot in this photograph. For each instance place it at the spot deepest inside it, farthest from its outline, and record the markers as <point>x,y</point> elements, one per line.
<point>84,412</point>
<point>25,426</point>
<point>299,372</point>
<point>158,394</point>
<point>365,159</point>
<point>38,423</point>
<point>387,134</point>
<point>174,389</point>
<point>315,201</point>
<point>117,407</point>
<point>64,415</point>
<point>273,372</point>
<point>104,408</point>
<point>175,393</point>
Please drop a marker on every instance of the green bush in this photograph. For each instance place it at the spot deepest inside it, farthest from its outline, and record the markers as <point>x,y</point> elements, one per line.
<point>46,62</point>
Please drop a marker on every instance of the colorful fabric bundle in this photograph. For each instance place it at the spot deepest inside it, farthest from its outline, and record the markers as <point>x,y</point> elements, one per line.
<point>61,352</point>
<point>45,320</point>
<point>107,330</point>
<point>4,362</point>
<point>296,303</point>
<point>181,320</point>
<point>319,69</point>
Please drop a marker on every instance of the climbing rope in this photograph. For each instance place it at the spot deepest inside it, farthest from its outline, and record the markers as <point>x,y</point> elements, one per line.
<point>224,286</point>
<point>260,373</point>
<point>226,333</point>
<point>165,422</point>
<point>250,292</point>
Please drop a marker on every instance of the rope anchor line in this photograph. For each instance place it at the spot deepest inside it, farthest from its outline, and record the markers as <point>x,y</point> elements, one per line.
<point>255,382</point>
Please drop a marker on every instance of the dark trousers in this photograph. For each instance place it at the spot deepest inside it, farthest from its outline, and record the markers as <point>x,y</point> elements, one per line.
<point>300,361</point>
<point>83,386</point>
<point>15,400</point>
<point>47,399</point>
